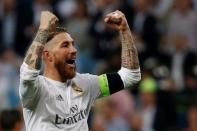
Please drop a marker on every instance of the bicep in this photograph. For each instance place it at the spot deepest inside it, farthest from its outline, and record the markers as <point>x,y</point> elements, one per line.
<point>109,83</point>
<point>105,85</point>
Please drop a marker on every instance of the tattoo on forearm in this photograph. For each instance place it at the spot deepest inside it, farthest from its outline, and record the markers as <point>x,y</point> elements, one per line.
<point>34,55</point>
<point>129,51</point>
<point>42,36</point>
<point>28,58</point>
<point>38,62</point>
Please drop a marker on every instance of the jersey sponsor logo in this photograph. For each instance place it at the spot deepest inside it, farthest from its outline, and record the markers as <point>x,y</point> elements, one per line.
<point>59,98</point>
<point>76,116</point>
<point>76,88</point>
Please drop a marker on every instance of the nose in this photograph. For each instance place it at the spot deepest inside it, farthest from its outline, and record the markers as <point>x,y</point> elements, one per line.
<point>73,50</point>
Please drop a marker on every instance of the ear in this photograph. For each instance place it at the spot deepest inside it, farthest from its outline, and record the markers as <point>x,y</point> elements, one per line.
<point>47,56</point>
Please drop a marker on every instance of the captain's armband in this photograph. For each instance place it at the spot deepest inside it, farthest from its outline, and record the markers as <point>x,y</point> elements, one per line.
<point>110,83</point>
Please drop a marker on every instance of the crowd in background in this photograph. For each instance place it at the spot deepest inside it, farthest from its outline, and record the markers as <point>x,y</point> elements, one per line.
<point>166,38</point>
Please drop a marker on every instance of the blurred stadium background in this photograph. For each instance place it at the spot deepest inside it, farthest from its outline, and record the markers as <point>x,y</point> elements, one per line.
<point>166,38</point>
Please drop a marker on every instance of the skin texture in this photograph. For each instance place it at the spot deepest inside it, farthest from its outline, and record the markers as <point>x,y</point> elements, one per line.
<point>33,57</point>
<point>56,53</point>
<point>118,21</point>
<point>60,48</point>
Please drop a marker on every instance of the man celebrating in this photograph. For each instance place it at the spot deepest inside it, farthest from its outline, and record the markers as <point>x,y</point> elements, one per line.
<point>61,99</point>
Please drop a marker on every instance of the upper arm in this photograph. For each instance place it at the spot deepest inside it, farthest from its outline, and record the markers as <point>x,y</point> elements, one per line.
<point>109,83</point>
<point>28,88</point>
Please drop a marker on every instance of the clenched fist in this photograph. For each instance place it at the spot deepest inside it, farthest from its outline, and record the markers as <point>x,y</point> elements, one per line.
<point>116,20</point>
<point>48,21</point>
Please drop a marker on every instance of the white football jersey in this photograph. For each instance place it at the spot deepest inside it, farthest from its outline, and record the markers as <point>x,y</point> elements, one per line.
<point>50,105</point>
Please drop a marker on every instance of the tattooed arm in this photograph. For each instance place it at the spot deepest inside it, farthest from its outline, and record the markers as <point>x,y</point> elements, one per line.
<point>118,21</point>
<point>129,51</point>
<point>29,88</point>
<point>34,53</point>
<point>130,70</point>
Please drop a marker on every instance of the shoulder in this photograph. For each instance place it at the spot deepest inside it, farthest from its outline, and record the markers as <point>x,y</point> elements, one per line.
<point>41,81</point>
<point>86,78</point>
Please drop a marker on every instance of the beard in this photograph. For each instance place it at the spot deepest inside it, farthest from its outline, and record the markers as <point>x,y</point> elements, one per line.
<point>65,70</point>
<point>70,73</point>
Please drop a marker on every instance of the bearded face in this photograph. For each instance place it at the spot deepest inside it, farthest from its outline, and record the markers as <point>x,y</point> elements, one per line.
<point>63,56</point>
<point>65,64</point>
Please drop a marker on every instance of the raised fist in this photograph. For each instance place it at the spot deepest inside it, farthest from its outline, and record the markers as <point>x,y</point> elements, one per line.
<point>116,20</point>
<point>48,21</point>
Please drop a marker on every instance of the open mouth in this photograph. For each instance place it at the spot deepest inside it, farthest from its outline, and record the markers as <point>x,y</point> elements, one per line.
<point>71,62</point>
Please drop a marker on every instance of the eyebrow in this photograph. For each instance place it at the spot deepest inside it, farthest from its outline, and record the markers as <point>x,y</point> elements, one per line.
<point>66,41</point>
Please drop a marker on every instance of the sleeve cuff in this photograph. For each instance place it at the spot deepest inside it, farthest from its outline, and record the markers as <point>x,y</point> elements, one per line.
<point>129,76</point>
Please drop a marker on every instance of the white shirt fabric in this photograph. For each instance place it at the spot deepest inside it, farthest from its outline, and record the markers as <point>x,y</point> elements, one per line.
<point>49,105</point>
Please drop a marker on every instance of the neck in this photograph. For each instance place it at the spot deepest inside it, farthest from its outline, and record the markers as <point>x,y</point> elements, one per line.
<point>53,74</point>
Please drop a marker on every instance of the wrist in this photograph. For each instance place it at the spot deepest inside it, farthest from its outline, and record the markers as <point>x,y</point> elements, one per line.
<point>43,27</point>
<point>124,28</point>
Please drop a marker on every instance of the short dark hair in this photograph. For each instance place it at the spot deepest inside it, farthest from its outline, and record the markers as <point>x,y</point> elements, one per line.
<point>58,30</point>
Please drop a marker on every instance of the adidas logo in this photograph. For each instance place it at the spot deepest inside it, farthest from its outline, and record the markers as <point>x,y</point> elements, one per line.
<point>59,98</point>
